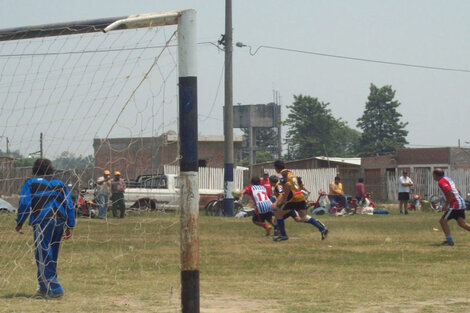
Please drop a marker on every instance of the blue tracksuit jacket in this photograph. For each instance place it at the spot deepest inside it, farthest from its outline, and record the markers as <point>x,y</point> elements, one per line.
<point>41,197</point>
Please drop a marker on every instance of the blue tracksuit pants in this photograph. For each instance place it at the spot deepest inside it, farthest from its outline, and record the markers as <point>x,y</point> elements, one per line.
<point>47,236</point>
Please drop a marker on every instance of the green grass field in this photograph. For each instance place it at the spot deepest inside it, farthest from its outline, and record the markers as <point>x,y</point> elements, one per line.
<point>383,263</point>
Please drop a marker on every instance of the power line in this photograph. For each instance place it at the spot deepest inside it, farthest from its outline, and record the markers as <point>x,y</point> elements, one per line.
<point>98,50</point>
<point>356,59</point>
<point>439,68</point>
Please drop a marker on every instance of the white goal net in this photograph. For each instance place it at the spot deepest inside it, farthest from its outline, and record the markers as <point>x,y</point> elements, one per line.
<point>64,97</point>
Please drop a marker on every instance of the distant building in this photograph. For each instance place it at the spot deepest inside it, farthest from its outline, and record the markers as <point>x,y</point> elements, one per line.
<point>6,162</point>
<point>419,162</point>
<point>148,155</point>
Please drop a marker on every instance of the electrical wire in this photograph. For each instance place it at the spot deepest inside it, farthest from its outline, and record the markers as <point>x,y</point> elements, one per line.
<point>359,59</point>
<point>209,115</point>
<point>100,50</point>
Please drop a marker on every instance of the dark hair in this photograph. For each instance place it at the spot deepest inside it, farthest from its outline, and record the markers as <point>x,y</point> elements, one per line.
<point>361,180</point>
<point>255,180</point>
<point>438,172</point>
<point>42,166</point>
<point>273,179</point>
<point>337,178</point>
<point>278,164</point>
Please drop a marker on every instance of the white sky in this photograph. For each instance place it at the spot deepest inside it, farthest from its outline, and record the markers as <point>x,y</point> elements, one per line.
<point>422,32</point>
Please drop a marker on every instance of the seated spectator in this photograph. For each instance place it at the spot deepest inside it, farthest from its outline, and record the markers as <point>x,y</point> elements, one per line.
<point>336,193</point>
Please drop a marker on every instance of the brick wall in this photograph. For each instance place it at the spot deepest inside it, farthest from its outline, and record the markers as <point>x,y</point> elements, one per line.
<point>137,156</point>
<point>423,156</point>
<point>131,156</point>
<point>460,158</point>
<point>381,161</point>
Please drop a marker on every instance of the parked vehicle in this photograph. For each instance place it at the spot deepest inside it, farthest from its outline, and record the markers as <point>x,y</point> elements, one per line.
<point>338,208</point>
<point>414,204</point>
<point>364,206</point>
<point>83,207</point>
<point>6,207</point>
<point>156,192</point>
<point>367,201</point>
<point>215,207</point>
<point>320,206</point>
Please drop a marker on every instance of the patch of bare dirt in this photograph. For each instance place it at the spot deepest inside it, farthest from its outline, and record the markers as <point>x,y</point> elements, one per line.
<point>436,305</point>
<point>235,304</point>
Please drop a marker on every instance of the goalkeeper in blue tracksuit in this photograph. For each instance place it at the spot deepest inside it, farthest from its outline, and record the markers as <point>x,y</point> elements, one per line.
<point>52,216</point>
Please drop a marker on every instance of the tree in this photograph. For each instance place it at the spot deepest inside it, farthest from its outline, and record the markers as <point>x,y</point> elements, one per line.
<point>382,131</point>
<point>314,131</point>
<point>20,160</point>
<point>68,160</point>
<point>24,162</point>
<point>265,138</point>
<point>261,157</point>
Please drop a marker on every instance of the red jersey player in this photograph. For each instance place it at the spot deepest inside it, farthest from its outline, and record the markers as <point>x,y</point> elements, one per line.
<point>454,208</point>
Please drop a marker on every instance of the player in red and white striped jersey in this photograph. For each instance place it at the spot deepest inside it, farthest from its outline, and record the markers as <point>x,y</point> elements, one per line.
<point>263,214</point>
<point>454,208</point>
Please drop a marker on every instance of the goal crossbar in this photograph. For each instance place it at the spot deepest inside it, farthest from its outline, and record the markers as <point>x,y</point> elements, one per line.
<point>91,26</point>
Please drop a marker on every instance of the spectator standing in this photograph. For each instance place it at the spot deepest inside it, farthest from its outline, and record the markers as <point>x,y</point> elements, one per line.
<point>404,184</point>
<point>104,190</point>
<point>49,206</point>
<point>264,181</point>
<point>118,186</point>
<point>360,189</point>
<point>454,208</point>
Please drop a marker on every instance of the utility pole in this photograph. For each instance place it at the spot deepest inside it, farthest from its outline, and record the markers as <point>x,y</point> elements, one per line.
<point>40,145</point>
<point>228,112</point>
<point>252,143</point>
<point>277,109</point>
<point>8,144</point>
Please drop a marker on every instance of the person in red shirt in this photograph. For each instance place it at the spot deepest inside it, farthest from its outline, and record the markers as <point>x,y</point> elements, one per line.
<point>264,181</point>
<point>454,208</point>
<point>359,189</point>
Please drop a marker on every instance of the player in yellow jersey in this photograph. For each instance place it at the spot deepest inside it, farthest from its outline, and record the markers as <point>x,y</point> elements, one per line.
<point>293,199</point>
<point>277,192</point>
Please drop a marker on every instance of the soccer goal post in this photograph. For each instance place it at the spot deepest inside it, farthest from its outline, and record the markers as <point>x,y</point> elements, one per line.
<point>36,96</point>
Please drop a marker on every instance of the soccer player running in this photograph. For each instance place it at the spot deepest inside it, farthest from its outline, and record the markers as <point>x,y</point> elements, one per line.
<point>263,214</point>
<point>277,193</point>
<point>454,208</point>
<point>294,199</point>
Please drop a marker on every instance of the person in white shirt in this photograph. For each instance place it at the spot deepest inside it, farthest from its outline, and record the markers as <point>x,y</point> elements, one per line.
<point>404,184</point>
<point>104,191</point>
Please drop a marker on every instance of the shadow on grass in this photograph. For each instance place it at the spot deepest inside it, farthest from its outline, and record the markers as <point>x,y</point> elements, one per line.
<point>22,295</point>
<point>438,244</point>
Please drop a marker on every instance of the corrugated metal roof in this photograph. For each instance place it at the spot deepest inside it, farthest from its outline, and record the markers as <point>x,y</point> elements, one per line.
<point>355,161</point>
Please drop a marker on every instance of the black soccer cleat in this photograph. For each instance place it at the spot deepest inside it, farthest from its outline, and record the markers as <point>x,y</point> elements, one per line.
<point>447,243</point>
<point>280,238</point>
